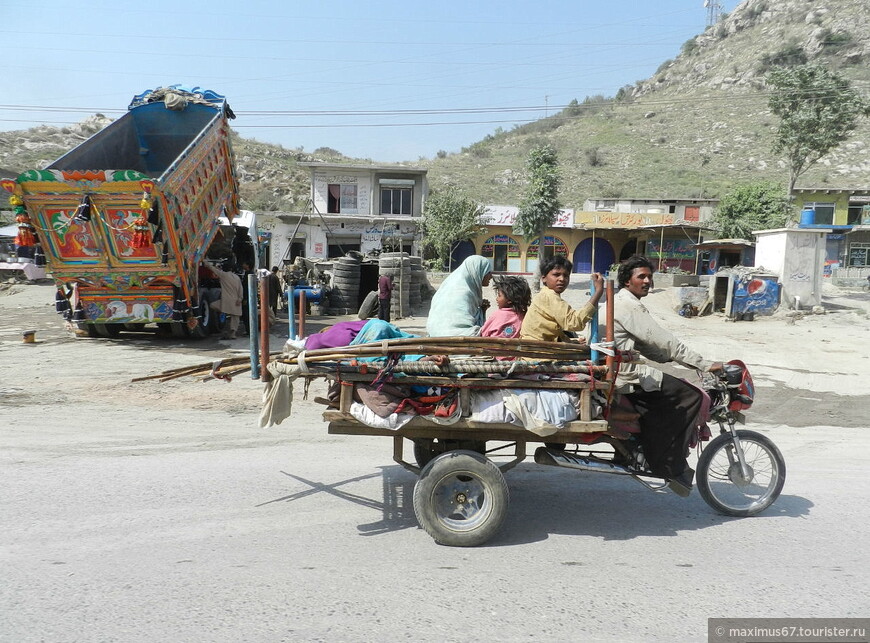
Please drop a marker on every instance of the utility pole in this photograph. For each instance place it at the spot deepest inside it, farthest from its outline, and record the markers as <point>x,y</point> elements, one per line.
<point>714,10</point>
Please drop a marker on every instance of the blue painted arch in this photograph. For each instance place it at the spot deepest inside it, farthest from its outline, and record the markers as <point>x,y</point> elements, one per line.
<point>604,256</point>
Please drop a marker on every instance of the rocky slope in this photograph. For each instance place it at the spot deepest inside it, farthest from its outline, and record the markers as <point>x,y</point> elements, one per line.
<point>697,127</point>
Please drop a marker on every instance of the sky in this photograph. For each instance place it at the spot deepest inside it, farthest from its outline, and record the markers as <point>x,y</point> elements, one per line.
<point>385,80</point>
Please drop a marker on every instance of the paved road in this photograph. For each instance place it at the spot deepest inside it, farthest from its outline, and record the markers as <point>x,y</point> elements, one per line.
<point>144,512</point>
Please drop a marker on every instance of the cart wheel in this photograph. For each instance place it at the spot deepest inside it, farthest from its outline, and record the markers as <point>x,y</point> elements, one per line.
<point>424,451</point>
<point>461,499</point>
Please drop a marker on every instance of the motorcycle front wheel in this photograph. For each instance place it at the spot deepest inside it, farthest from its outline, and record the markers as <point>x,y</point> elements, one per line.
<point>723,484</point>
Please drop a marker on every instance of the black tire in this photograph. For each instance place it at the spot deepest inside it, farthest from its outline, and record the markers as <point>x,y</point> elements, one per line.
<point>178,330</point>
<point>342,273</point>
<point>203,317</point>
<point>90,329</point>
<point>108,330</point>
<point>425,451</point>
<point>347,285</point>
<point>461,499</point>
<point>370,306</point>
<point>721,483</point>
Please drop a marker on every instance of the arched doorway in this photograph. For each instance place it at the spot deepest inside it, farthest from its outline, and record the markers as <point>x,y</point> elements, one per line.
<point>503,253</point>
<point>604,256</point>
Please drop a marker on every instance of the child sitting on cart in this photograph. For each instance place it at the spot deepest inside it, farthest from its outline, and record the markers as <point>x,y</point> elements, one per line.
<point>512,296</point>
<point>549,317</point>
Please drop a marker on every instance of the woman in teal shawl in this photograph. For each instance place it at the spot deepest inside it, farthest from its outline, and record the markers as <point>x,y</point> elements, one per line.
<point>457,306</point>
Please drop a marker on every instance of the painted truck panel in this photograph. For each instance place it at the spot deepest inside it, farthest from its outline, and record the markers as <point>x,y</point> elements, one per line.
<point>130,239</point>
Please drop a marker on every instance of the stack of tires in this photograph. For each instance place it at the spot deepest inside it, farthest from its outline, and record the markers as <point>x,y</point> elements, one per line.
<point>344,296</point>
<point>398,266</point>
<point>418,283</point>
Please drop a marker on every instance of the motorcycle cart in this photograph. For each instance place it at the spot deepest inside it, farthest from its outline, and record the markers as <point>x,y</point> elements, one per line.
<point>461,497</point>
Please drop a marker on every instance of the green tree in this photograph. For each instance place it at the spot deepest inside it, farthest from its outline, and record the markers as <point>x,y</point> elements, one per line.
<point>448,218</point>
<point>753,206</point>
<point>818,110</point>
<point>540,205</point>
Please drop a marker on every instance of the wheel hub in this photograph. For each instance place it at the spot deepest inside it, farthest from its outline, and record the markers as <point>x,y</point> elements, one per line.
<point>461,498</point>
<point>736,475</point>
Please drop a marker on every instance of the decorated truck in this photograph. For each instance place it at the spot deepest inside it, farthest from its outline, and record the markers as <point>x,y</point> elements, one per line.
<point>125,242</point>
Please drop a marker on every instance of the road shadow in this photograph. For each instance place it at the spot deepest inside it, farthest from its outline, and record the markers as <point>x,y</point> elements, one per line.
<point>611,508</point>
<point>545,502</point>
<point>396,504</point>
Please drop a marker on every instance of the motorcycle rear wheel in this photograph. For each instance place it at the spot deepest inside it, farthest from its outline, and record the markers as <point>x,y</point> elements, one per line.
<point>722,484</point>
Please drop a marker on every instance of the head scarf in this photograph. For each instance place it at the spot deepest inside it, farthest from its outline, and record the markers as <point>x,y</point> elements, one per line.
<point>455,308</point>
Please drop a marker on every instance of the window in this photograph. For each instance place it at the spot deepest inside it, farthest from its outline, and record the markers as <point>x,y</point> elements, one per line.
<point>824,213</point>
<point>396,201</point>
<point>342,198</point>
<point>605,204</point>
<point>855,213</point>
<point>859,254</point>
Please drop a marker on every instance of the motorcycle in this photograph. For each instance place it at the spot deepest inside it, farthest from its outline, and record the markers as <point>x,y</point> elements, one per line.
<point>739,472</point>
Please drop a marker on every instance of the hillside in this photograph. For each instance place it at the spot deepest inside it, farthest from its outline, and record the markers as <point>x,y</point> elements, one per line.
<point>269,175</point>
<point>697,127</point>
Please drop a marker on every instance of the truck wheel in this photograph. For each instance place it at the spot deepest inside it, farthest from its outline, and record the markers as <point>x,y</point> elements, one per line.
<point>369,306</point>
<point>203,316</point>
<point>722,484</point>
<point>90,329</point>
<point>107,330</point>
<point>461,499</point>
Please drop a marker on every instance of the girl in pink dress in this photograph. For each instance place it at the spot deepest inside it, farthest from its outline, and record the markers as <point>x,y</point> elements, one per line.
<point>512,296</point>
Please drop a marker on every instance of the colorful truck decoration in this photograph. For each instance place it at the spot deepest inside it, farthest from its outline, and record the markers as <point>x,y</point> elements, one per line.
<point>125,244</point>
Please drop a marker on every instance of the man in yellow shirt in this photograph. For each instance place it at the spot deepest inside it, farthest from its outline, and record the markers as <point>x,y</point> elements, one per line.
<point>549,316</point>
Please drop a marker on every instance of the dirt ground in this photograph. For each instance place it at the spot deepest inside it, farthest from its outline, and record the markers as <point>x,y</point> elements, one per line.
<point>809,370</point>
<point>142,511</point>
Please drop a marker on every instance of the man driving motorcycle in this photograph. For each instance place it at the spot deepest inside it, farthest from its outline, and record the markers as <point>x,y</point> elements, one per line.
<point>668,407</point>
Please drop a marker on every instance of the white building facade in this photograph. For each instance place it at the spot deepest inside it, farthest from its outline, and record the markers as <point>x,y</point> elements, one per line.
<point>353,207</point>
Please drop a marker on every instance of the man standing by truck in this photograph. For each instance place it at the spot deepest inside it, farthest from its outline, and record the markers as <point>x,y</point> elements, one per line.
<point>385,292</point>
<point>230,302</point>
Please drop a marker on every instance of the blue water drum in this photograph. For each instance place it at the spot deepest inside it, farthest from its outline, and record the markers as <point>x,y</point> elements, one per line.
<point>808,216</point>
<point>313,294</point>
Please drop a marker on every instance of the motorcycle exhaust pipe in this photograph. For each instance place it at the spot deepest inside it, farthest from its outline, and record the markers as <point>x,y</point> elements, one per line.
<point>553,458</point>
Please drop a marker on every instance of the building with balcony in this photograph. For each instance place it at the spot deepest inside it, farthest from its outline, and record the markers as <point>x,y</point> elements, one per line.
<point>366,208</point>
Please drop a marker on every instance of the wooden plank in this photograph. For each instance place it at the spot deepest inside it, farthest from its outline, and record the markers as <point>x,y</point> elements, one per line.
<point>585,405</point>
<point>513,434</point>
<point>345,397</point>
<point>420,427</point>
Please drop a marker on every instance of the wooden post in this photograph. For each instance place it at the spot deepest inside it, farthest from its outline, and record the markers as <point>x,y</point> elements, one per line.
<point>661,247</point>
